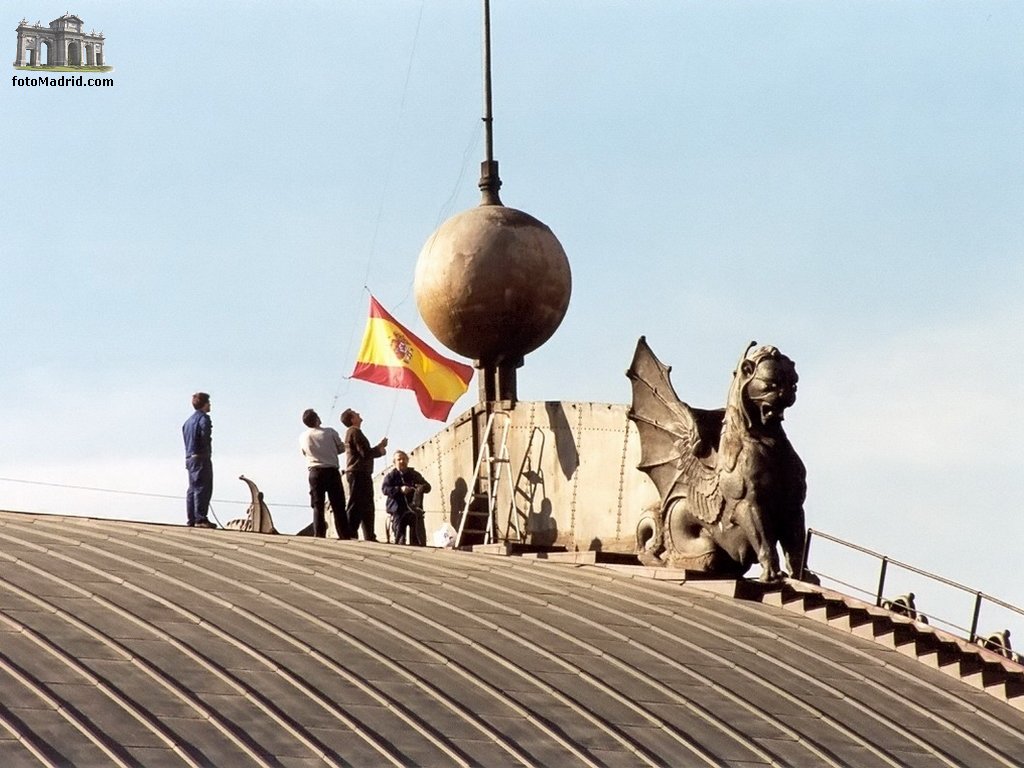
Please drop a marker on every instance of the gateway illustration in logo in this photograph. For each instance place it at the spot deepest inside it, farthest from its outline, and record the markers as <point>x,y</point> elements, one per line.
<point>61,44</point>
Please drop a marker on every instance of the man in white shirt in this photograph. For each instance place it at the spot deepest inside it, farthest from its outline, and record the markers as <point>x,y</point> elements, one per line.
<point>321,446</point>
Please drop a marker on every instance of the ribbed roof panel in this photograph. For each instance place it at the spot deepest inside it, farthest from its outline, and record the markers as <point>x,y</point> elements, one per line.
<point>135,644</point>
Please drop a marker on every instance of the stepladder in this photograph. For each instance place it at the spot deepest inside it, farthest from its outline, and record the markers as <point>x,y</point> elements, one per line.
<point>492,478</point>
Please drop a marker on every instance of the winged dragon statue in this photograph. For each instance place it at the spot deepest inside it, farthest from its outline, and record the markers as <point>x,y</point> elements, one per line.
<point>732,487</point>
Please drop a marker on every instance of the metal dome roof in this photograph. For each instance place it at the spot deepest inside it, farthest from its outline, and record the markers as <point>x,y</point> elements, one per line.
<point>137,644</point>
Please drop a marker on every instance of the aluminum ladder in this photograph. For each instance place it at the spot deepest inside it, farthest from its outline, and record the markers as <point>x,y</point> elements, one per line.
<point>491,467</point>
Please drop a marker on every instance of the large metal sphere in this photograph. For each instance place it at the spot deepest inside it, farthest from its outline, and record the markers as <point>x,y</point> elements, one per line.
<point>493,283</point>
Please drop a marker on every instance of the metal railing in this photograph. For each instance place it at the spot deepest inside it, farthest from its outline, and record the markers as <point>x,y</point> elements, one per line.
<point>904,604</point>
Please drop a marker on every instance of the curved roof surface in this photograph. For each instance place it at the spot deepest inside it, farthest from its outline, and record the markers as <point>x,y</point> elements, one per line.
<point>138,644</point>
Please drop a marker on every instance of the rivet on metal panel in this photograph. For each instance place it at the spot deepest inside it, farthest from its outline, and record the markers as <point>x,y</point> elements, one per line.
<point>578,439</point>
<point>440,484</point>
<point>622,480</point>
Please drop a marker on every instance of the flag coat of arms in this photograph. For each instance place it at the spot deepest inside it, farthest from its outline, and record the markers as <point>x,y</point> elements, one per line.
<point>392,356</point>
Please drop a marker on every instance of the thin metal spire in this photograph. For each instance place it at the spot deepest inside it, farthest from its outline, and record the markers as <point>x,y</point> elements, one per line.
<point>489,182</point>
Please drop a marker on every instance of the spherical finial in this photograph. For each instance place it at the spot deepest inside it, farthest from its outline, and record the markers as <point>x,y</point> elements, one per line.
<point>493,284</point>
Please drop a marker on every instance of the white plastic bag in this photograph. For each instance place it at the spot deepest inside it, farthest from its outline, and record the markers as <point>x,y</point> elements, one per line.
<point>444,536</point>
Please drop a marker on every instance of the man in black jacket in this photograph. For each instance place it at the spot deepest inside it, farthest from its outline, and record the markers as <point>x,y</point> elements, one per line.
<point>404,488</point>
<point>359,456</point>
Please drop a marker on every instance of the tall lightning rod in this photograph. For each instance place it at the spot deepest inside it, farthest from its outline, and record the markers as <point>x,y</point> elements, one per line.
<point>489,183</point>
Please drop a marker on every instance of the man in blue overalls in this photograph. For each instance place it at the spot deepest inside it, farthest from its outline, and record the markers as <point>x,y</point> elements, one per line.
<point>197,431</point>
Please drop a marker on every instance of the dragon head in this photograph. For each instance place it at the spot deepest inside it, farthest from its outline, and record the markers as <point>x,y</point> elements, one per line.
<point>764,386</point>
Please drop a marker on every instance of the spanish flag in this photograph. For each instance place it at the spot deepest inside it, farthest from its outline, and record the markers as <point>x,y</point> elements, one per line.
<point>393,356</point>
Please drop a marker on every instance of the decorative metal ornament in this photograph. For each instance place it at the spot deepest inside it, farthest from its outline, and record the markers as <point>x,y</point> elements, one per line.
<point>493,283</point>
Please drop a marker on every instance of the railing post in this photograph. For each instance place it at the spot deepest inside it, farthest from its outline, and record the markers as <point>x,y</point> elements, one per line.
<point>807,550</point>
<point>881,582</point>
<point>974,619</point>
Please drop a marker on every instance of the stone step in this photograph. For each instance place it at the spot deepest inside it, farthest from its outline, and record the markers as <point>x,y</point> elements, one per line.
<point>977,666</point>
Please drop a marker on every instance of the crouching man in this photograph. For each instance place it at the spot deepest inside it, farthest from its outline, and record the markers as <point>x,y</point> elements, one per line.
<point>404,488</point>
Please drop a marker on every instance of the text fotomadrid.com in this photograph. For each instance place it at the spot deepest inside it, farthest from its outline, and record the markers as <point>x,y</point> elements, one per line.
<point>65,80</point>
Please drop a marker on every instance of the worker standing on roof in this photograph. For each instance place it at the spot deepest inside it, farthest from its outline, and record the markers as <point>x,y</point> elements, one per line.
<point>359,474</point>
<point>321,447</point>
<point>198,434</point>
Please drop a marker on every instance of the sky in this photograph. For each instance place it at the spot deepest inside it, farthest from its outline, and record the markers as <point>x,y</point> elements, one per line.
<point>844,181</point>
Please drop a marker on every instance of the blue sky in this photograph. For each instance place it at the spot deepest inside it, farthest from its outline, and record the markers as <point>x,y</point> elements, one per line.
<point>842,180</point>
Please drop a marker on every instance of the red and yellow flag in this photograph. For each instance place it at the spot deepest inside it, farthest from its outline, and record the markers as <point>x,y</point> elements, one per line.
<point>393,356</point>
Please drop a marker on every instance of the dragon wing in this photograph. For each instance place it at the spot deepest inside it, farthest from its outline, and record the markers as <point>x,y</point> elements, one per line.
<point>678,444</point>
